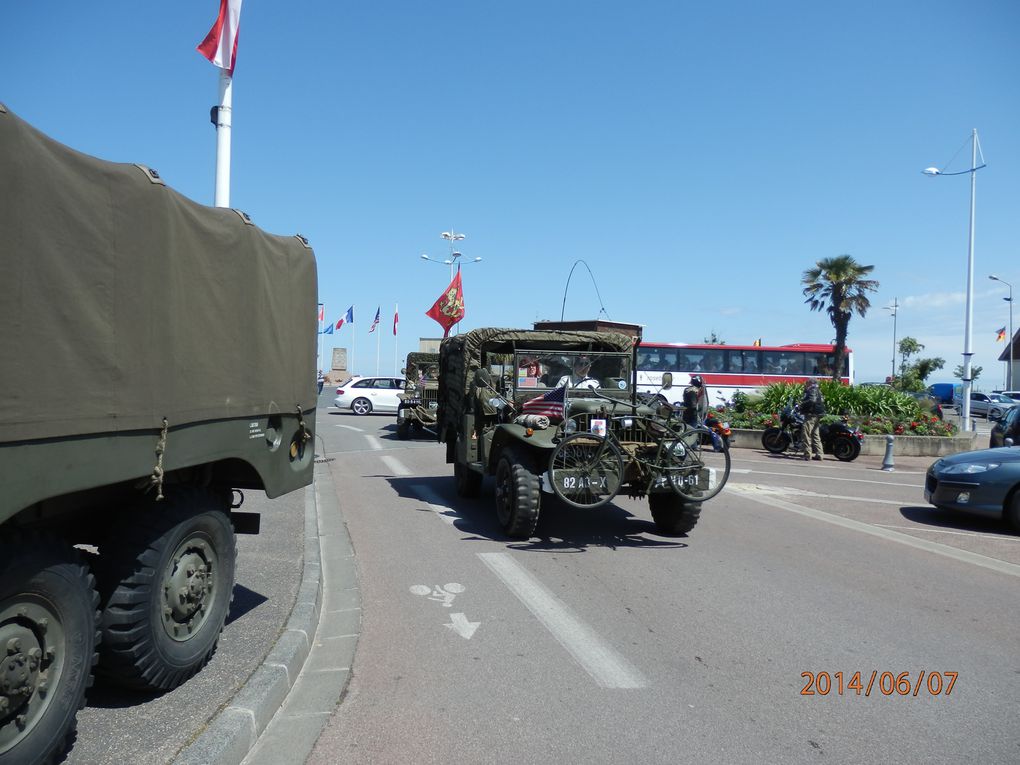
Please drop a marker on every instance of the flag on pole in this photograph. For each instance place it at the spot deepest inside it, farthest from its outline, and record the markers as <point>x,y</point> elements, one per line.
<point>1000,335</point>
<point>375,321</point>
<point>347,317</point>
<point>395,319</point>
<point>551,404</point>
<point>322,312</point>
<point>329,329</point>
<point>449,308</point>
<point>220,45</point>
<point>757,343</point>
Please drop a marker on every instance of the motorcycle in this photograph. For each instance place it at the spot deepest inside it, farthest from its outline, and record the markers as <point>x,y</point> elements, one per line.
<point>838,438</point>
<point>721,429</point>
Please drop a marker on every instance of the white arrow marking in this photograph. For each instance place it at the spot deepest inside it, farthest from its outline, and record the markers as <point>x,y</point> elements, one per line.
<point>460,624</point>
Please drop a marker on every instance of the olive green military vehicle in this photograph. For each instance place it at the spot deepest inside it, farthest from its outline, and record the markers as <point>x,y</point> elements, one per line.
<point>157,359</point>
<point>419,401</point>
<point>556,412</point>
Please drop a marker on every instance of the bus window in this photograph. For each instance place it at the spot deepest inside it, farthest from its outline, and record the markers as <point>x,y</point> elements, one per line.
<point>792,363</point>
<point>712,360</point>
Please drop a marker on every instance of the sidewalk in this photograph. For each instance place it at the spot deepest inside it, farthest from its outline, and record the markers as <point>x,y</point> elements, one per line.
<point>279,712</point>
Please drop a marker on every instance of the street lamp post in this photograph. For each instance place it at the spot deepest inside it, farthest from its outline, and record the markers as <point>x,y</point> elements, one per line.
<point>1009,369</point>
<point>893,308</point>
<point>454,256</point>
<point>935,172</point>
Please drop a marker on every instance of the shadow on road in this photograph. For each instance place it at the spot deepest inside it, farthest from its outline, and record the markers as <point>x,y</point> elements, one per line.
<point>561,528</point>
<point>947,519</point>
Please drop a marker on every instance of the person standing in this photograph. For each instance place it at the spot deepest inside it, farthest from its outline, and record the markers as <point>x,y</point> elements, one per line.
<point>320,380</point>
<point>812,406</point>
<point>695,402</point>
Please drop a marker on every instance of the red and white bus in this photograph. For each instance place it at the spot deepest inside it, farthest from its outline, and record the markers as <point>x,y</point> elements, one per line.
<point>727,369</point>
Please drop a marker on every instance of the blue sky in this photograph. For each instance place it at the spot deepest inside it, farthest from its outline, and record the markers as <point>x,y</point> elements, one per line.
<point>697,156</point>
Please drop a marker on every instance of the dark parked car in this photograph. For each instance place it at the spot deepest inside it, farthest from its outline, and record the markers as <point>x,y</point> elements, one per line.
<point>982,483</point>
<point>1007,427</point>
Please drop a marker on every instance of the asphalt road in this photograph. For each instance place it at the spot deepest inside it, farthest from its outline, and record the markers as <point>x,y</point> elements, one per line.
<point>602,641</point>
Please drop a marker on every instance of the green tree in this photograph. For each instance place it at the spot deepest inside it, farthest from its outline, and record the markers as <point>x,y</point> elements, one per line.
<point>975,372</point>
<point>839,287</point>
<point>908,347</point>
<point>913,376</point>
<point>714,339</point>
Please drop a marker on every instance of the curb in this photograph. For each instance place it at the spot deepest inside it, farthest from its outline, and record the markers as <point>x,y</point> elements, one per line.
<point>233,732</point>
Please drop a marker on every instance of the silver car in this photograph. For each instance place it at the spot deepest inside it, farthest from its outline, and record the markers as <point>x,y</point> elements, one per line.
<point>991,405</point>
<point>364,395</point>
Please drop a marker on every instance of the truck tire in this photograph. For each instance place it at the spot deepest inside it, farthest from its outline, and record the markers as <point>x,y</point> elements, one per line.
<point>468,482</point>
<point>673,515</point>
<point>166,578</point>
<point>48,617</point>
<point>518,497</point>
<point>403,429</point>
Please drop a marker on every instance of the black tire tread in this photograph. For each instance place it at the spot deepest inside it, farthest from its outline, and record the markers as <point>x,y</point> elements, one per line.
<point>20,548</point>
<point>673,515</point>
<point>126,579</point>
<point>527,493</point>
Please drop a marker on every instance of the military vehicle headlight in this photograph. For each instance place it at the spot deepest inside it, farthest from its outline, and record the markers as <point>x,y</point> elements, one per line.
<point>570,427</point>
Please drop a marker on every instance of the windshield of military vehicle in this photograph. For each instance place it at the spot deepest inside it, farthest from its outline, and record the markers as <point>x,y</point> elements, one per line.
<point>581,370</point>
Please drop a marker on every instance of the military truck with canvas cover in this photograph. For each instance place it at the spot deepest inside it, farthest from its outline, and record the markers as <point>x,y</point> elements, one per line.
<point>556,412</point>
<point>157,358</point>
<point>420,399</point>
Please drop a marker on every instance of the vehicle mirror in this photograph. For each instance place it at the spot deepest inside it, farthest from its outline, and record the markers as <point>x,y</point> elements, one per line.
<point>667,380</point>
<point>403,371</point>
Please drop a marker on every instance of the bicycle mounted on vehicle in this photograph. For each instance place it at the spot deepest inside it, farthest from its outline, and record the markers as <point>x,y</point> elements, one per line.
<point>505,409</point>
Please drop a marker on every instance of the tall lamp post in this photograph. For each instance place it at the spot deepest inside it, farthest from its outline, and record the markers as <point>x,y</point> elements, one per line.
<point>1009,369</point>
<point>893,308</point>
<point>934,172</point>
<point>454,256</point>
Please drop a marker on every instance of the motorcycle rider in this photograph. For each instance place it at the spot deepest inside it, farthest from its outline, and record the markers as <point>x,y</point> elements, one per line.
<point>695,400</point>
<point>812,406</point>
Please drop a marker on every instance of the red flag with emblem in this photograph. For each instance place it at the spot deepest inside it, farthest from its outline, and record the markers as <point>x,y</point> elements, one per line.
<point>449,308</point>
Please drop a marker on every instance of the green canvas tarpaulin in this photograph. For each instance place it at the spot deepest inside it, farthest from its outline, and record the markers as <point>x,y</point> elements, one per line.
<point>124,302</point>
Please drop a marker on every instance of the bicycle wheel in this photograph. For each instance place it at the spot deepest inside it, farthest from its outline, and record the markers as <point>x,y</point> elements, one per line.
<point>694,470</point>
<point>586,470</point>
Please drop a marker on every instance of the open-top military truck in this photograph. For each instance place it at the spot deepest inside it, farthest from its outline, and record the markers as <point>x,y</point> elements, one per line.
<point>557,412</point>
<point>157,358</point>
<point>420,399</point>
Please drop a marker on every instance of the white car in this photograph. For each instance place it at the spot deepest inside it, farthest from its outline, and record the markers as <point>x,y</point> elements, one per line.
<point>364,395</point>
<point>990,405</point>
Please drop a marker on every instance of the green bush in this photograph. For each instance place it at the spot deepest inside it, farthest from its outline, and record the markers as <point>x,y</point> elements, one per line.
<point>874,409</point>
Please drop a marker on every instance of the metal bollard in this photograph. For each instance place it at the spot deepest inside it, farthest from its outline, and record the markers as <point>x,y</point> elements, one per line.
<point>887,461</point>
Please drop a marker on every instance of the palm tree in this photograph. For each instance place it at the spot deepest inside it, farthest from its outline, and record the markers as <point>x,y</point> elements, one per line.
<point>837,285</point>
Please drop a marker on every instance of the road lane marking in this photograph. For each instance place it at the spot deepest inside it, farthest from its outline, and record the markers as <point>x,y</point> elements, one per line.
<point>607,667</point>
<point>349,427</point>
<point>373,442</point>
<point>435,503</point>
<point>459,623</point>
<point>1002,537</point>
<point>806,493</point>
<point>831,478</point>
<point>396,466</point>
<point>891,536</point>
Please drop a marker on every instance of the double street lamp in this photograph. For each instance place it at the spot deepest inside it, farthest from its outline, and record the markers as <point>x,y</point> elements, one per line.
<point>454,257</point>
<point>1009,369</point>
<point>934,172</point>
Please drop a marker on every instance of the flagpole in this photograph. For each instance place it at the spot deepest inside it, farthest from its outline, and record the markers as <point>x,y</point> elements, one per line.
<point>223,126</point>
<point>396,339</point>
<point>378,345</point>
<point>352,346</point>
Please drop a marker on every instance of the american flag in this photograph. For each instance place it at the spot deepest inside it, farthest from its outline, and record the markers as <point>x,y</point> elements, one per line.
<point>375,321</point>
<point>551,404</point>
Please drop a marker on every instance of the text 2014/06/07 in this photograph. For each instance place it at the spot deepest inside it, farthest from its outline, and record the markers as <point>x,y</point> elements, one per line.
<point>884,683</point>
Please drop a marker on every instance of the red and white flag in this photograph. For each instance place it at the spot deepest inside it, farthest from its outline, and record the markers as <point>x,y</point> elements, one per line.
<point>220,45</point>
<point>322,312</point>
<point>396,318</point>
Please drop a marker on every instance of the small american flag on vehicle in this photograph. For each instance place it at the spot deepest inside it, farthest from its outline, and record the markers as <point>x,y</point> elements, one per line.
<point>550,404</point>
